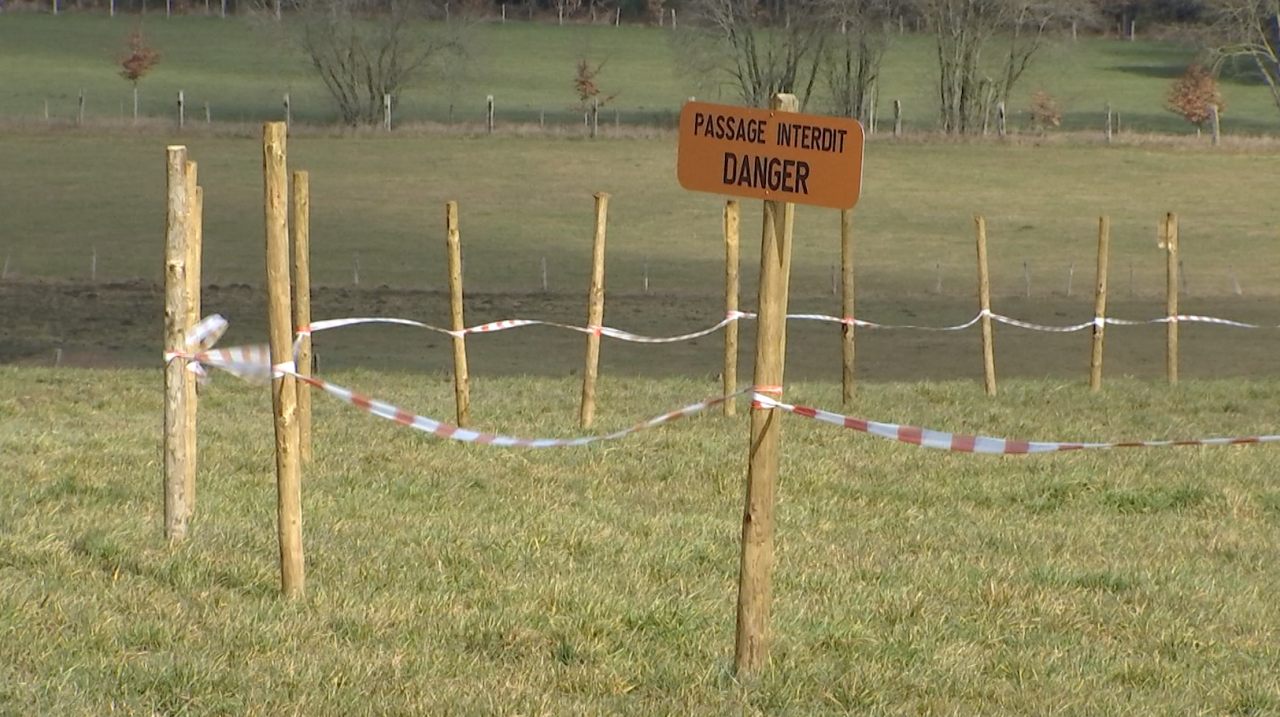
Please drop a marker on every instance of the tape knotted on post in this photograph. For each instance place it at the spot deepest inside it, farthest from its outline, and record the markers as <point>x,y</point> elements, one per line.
<point>282,369</point>
<point>760,400</point>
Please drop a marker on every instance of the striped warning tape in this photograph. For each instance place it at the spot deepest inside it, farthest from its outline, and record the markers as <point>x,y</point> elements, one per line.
<point>982,444</point>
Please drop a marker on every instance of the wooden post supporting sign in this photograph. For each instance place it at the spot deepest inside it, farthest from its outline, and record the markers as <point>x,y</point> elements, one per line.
<point>595,314</point>
<point>284,392</point>
<point>175,323</point>
<point>461,380</point>
<point>783,158</point>
<point>302,303</point>
<point>732,219</point>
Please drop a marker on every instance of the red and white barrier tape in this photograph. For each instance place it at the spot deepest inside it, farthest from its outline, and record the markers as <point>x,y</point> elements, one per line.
<point>253,363</point>
<point>982,444</point>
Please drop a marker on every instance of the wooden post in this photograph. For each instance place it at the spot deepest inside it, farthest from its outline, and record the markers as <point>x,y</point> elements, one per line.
<point>80,108</point>
<point>897,118</point>
<point>984,303</point>
<point>175,324</point>
<point>595,116</point>
<point>302,303</point>
<point>1216,124</point>
<point>488,122</point>
<point>461,379</point>
<point>284,392</point>
<point>732,218</point>
<point>1171,295</point>
<point>1000,119</point>
<point>1108,123</point>
<point>752,638</point>
<point>182,109</point>
<point>1100,304</point>
<point>595,313</point>
<point>386,112</point>
<point>288,113</point>
<point>847,300</point>
<point>195,208</point>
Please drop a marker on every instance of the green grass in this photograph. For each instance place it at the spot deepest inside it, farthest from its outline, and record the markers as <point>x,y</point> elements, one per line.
<point>241,69</point>
<point>445,578</point>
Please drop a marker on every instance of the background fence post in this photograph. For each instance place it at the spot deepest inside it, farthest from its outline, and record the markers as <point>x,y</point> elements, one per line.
<point>897,118</point>
<point>1170,226</point>
<point>302,304</point>
<point>847,301</point>
<point>461,379</point>
<point>595,313</point>
<point>1100,304</point>
<point>488,122</point>
<point>175,371</point>
<point>984,303</point>
<point>1108,133</point>
<point>182,109</point>
<point>732,218</point>
<point>284,393</point>
<point>194,236</point>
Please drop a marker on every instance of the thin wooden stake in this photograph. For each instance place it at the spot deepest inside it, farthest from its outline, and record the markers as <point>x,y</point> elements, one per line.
<point>897,118</point>
<point>284,392</point>
<point>302,304</point>
<point>595,314</point>
<point>731,290</point>
<point>544,274</point>
<point>195,237</point>
<point>847,302</point>
<point>93,266</point>
<point>752,638</point>
<point>461,379</point>
<point>1108,134</point>
<point>355,269</point>
<point>646,277</point>
<point>488,115</point>
<point>1026,275</point>
<point>175,324</point>
<point>1171,296</point>
<point>1100,304</point>
<point>984,304</point>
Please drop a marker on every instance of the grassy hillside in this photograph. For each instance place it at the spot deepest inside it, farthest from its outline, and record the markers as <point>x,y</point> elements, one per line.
<point>242,68</point>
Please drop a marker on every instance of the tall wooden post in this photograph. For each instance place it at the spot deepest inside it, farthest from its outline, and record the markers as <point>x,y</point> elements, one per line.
<point>175,328</point>
<point>752,638</point>
<point>1171,294</point>
<point>732,218</point>
<point>302,303</point>
<point>847,301</point>
<point>1100,304</point>
<point>595,313</point>
<point>984,303</point>
<point>195,209</point>
<point>284,392</point>
<point>461,380</point>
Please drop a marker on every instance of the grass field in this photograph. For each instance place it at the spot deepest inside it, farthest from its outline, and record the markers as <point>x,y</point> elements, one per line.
<point>450,579</point>
<point>240,69</point>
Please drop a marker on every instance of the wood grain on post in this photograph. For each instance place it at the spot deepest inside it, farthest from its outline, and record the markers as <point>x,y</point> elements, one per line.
<point>1100,304</point>
<point>595,313</point>
<point>732,220</point>
<point>752,638</point>
<point>1171,290</point>
<point>175,329</point>
<point>847,301</point>
<point>195,210</point>
<point>284,392</point>
<point>302,303</point>
<point>984,303</point>
<point>461,379</point>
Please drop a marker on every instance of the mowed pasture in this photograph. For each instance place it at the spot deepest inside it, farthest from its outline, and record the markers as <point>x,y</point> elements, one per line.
<point>447,578</point>
<point>379,202</point>
<point>452,579</point>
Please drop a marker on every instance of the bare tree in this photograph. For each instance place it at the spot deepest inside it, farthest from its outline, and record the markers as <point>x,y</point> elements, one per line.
<point>1248,32</point>
<point>759,48</point>
<point>853,57</point>
<point>966,32</point>
<point>365,49</point>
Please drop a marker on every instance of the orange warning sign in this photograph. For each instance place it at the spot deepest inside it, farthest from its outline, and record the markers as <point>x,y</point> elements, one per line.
<point>765,154</point>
